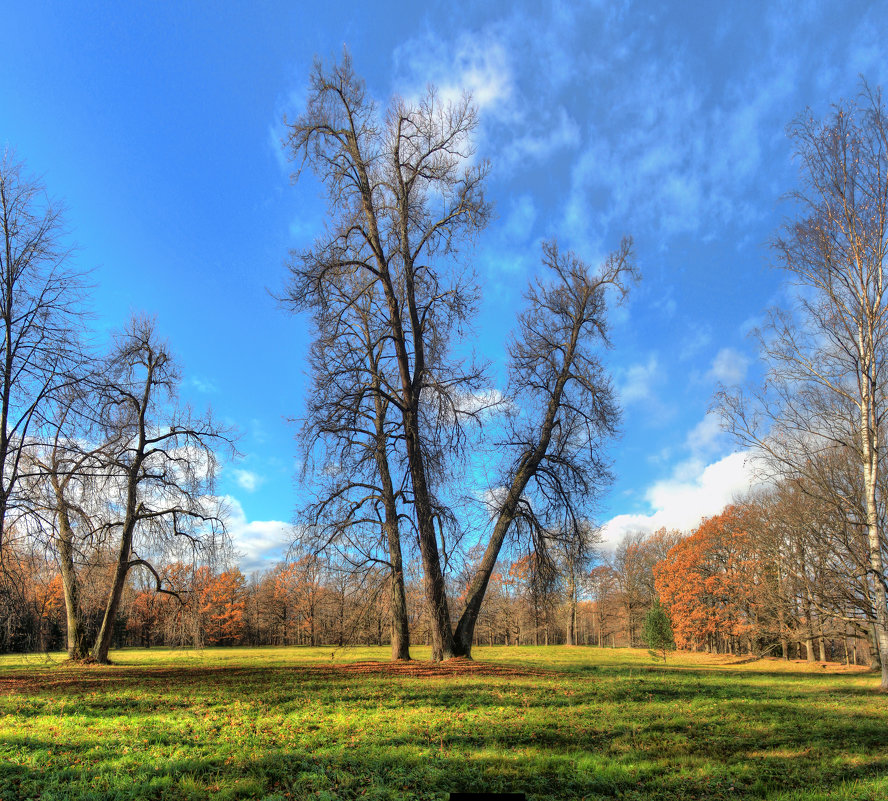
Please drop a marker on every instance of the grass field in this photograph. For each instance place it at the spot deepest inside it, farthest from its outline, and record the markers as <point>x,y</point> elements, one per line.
<point>555,722</point>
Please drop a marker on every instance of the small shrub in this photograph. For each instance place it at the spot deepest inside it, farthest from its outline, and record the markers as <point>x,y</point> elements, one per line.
<point>657,632</point>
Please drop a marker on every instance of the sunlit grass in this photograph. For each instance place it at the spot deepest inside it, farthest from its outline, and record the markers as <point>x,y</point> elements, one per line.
<point>553,722</point>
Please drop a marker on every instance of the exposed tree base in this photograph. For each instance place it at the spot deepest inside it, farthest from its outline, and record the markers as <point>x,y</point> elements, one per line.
<point>85,661</point>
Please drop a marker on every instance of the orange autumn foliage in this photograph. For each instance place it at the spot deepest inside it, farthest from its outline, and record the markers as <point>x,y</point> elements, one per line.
<point>222,600</point>
<point>707,582</point>
<point>49,597</point>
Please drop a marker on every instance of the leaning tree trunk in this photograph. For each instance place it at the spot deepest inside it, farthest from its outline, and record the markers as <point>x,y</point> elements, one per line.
<point>465,630</point>
<point>103,639</point>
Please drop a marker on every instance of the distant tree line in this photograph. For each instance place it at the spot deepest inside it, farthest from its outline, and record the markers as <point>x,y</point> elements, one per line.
<point>748,581</point>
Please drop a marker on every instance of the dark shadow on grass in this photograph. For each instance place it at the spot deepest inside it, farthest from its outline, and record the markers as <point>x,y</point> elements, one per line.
<point>680,733</point>
<point>416,771</point>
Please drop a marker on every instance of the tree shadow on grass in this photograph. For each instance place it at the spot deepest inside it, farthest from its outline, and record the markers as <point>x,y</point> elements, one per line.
<point>409,771</point>
<point>654,734</point>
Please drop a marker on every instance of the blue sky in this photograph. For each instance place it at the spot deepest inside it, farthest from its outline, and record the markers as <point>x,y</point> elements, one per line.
<point>158,125</point>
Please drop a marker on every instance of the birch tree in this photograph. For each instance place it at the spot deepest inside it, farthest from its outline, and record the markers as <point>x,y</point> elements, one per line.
<point>828,356</point>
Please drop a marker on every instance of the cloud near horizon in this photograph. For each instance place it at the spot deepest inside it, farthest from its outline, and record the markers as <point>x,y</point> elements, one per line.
<point>258,543</point>
<point>692,492</point>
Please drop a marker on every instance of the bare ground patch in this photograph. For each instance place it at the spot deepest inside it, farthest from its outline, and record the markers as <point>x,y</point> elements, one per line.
<point>84,678</point>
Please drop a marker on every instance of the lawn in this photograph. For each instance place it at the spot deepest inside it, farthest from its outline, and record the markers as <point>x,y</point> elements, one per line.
<point>554,722</point>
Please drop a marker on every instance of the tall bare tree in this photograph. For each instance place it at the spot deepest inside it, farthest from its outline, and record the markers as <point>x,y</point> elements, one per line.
<point>403,198</point>
<point>348,438</point>
<point>40,309</point>
<point>556,468</point>
<point>163,463</point>
<point>828,357</point>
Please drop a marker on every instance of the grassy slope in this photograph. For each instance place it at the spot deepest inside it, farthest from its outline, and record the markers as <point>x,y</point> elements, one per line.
<point>552,722</point>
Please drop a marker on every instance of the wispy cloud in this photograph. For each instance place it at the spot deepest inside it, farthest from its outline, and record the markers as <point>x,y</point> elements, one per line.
<point>636,383</point>
<point>204,385</point>
<point>544,134</point>
<point>522,214</point>
<point>699,335</point>
<point>474,63</point>
<point>707,437</point>
<point>248,480</point>
<point>729,367</point>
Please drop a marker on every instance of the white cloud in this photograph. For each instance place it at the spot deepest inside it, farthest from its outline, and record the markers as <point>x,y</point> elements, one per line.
<point>474,63</point>
<point>694,491</point>
<point>707,436</point>
<point>248,480</point>
<point>636,382</point>
<point>203,385</point>
<point>260,543</point>
<point>729,367</point>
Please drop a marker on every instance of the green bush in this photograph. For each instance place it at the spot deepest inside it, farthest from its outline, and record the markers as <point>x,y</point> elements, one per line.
<point>657,632</point>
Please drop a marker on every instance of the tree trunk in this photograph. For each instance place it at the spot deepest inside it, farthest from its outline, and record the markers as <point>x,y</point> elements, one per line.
<point>106,631</point>
<point>77,645</point>
<point>869,436</point>
<point>571,630</point>
<point>809,648</point>
<point>525,472</point>
<point>399,624</point>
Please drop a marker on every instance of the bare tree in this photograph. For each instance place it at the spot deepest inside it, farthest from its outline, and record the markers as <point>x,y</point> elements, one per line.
<point>40,308</point>
<point>402,198</point>
<point>67,480</point>
<point>163,464</point>
<point>348,438</point>
<point>828,357</point>
<point>813,532</point>
<point>574,557</point>
<point>556,467</point>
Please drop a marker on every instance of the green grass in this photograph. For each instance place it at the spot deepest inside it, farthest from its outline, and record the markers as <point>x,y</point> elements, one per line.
<point>556,723</point>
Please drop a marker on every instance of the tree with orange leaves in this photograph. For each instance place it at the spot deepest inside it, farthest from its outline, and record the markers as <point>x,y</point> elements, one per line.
<point>707,582</point>
<point>222,603</point>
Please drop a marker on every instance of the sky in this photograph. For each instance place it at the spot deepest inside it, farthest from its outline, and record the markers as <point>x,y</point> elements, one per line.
<point>158,125</point>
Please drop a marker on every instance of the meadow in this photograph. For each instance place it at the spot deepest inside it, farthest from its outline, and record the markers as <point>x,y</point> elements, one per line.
<point>553,722</point>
